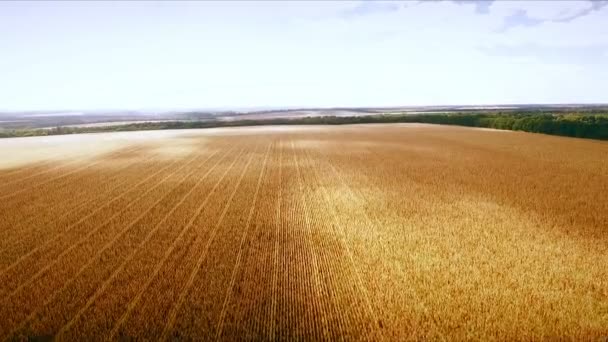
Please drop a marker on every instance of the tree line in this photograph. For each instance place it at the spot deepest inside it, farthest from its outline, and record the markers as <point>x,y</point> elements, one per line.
<point>589,125</point>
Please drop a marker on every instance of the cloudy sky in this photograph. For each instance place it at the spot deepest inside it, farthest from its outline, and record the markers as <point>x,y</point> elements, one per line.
<point>101,55</point>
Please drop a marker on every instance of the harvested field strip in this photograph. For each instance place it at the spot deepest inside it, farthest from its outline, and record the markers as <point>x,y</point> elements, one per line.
<point>87,280</point>
<point>190,269</point>
<point>150,278</point>
<point>45,216</point>
<point>131,270</point>
<point>70,238</point>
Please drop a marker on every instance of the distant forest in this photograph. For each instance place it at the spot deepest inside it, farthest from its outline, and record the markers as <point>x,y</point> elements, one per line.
<point>581,125</point>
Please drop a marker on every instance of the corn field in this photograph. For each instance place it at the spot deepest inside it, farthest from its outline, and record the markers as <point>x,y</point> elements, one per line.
<point>362,232</point>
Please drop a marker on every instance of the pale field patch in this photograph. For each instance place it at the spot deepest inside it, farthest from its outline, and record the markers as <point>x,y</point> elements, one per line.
<point>475,267</point>
<point>495,269</point>
<point>173,149</point>
<point>85,147</point>
<point>492,130</point>
<point>305,144</point>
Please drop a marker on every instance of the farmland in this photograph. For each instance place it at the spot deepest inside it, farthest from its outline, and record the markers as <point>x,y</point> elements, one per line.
<point>365,232</point>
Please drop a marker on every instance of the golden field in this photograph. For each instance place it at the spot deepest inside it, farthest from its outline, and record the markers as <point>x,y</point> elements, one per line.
<point>362,232</point>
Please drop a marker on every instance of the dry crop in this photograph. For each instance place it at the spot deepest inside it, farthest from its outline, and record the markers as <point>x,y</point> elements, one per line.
<point>373,232</point>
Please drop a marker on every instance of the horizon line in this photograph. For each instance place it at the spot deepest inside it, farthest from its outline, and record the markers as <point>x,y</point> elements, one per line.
<point>260,108</point>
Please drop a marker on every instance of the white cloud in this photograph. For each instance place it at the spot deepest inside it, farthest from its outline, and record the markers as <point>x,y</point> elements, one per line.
<point>584,31</point>
<point>544,10</point>
<point>295,53</point>
<point>437,46</point>
<point>451,23</point>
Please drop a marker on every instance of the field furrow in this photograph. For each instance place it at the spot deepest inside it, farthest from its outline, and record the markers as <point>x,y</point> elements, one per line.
<point>237,266</point>
<point>276,231</point>
<point>80,291</point>
<point>13,259</point>
<point>41,219</point>
<point>12,189</point>
<point>42,163</point>
<point>208,294</point>
<point>296,275</point>
<point>353,263</point>
<point>325,259</point>
<point>55,274</point>
<point>146,316</point>
<point>8,175</point>
<point>82,236</point>
<point>113,298</point>
<point>33,179</point>
<point>29,201</point>
<point>246,314</point>
<point>341,279</point>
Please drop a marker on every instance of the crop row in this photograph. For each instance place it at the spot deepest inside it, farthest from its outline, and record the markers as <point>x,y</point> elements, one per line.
<point>27,216</point>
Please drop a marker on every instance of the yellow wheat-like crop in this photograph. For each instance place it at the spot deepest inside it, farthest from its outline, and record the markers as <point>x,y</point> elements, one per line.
<point>362,232</point>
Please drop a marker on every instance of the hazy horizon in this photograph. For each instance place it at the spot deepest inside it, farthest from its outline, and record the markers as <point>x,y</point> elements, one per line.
<point>87,56</point>
<point>78,111</point>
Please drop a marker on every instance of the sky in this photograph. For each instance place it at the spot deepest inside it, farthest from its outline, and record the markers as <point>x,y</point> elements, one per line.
<point>203,54</point>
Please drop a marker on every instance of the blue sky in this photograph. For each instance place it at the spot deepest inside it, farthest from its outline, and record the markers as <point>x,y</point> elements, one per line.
<point>146,55</point>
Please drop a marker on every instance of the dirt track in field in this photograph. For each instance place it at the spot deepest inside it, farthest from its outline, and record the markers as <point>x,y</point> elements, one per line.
<point>373,232</point>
